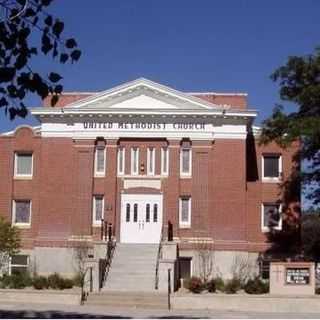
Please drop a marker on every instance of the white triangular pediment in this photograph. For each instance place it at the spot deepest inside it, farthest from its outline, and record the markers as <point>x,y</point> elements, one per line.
<point>143,102</point>
<point>142,94</point>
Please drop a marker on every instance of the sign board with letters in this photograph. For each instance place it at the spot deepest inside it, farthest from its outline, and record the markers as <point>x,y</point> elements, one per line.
<point>292,278</point>
<point>300,276</point>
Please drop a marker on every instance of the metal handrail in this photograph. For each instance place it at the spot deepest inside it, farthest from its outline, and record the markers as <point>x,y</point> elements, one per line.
<point>111,246</point>
<point>156,285</point>
<point>109,256</point>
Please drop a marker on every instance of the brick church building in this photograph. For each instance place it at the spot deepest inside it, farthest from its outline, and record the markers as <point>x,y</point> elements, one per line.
<point>142,157</point>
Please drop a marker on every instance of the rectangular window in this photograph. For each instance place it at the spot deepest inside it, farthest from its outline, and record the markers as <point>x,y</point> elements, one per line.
<point>185,162</point>
<point>271,217</point>
<point>98,209</point>
<point>121,161</point>
<point>134,161</point>
<point>19,264</point>
<point>164,161</point>
<point>23,165</point>
<point>21,212</point>
<point>100,162</point>
<point>150,161</point>
<point>271,167</point>
<point>185,212</point>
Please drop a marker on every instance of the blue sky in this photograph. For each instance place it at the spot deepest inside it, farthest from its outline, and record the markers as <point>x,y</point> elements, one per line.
<point>204,45</point>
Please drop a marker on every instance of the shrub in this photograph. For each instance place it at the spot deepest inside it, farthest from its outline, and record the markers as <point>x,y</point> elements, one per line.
<point>211,285</point>
<point>5,281</point>
<point>232,286</point>
<point>219,283</point>
<point>77,280</point>
<point>194,284</point>
<point>19,280</point>
<point>256,286</point>
<point>40,282</point>
<point>55,281</point>
<point>67,284</point>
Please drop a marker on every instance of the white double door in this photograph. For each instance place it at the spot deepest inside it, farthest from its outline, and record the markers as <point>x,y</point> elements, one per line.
<point>141,218</point>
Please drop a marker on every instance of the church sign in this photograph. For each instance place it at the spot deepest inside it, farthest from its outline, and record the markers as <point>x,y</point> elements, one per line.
<point>298,276</point>
<point>161,126</point>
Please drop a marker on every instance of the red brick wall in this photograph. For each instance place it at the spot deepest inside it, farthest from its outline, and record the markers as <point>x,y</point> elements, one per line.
<point>226,188</point>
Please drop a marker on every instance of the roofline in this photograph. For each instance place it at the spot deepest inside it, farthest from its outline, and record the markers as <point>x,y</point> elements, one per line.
<point>74,93</point>
<point>241,94</point>
<point>78,92</point>
<point>9,133</point>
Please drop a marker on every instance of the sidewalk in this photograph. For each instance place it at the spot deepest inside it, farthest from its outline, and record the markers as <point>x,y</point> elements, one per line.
<point>30,310</point>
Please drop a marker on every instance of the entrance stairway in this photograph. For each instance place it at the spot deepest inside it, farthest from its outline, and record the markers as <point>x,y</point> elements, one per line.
<point>133,268</point>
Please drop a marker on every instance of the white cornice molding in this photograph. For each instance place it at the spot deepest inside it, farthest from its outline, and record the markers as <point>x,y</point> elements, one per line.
<point>64,112</point>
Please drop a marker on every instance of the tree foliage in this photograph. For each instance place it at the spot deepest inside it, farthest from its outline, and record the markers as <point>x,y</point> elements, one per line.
<point>9,242</point>
<point>299,81</point>
<point>26,29</point>
<point>311,235</point>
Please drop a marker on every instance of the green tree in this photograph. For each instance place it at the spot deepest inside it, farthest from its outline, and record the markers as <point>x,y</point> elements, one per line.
<point>26,29</point>
<point>299,81</point>
<point>9,242</point>
<point>311,235</point>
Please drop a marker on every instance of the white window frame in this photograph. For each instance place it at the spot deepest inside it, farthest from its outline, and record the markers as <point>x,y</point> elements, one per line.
<point>94,221</point>
<point>189,173</point>
<point>271,179</point>
<point>151,161</point>
<point>267,229</point>
<point>19,175</point>
<point>19,265</point>
<point>133,171</point>
<point>96,172</point>
<point>123,151</point>
<point>163,151</point>
<point>21,224</point>
<point>185,224</point>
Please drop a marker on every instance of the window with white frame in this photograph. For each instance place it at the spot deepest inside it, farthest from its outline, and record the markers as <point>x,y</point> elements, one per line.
<point>150,161</point>
<point>271,216</point>
<point>121,160</point>
<point>21,212</point>
<point>100,162</point>
<point>98,209</point>
<point>185,212</point>
<point>19,264</point>
<point>135,161</point>
<point>271,167</point>
<point>164,161</point>
<point>185,161</point>
<point>23,165</point>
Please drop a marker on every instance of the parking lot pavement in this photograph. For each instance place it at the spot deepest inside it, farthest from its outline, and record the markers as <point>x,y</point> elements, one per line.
<point>31,310</point>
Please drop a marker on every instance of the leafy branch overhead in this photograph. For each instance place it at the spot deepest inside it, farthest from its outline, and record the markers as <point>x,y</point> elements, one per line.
<point>22,22</point>
<point>299,81</point>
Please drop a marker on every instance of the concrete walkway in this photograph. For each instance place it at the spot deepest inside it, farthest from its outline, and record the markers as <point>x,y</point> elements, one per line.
<point>29,310</point>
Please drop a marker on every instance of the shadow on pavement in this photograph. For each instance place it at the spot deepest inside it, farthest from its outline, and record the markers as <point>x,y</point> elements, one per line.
<point>55,314</point>
<point>52,314</point>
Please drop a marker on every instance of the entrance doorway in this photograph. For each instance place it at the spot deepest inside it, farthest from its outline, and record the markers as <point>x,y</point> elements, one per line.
<point>141,218</point>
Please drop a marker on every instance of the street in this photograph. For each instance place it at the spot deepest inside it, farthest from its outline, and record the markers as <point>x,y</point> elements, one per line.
<point>30,310</point>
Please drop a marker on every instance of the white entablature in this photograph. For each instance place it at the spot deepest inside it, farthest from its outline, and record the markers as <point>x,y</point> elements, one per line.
<point>142,107</point>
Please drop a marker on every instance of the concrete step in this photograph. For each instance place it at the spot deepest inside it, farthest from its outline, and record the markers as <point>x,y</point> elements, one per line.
<point>133,268</point>
<point>132,299</point>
